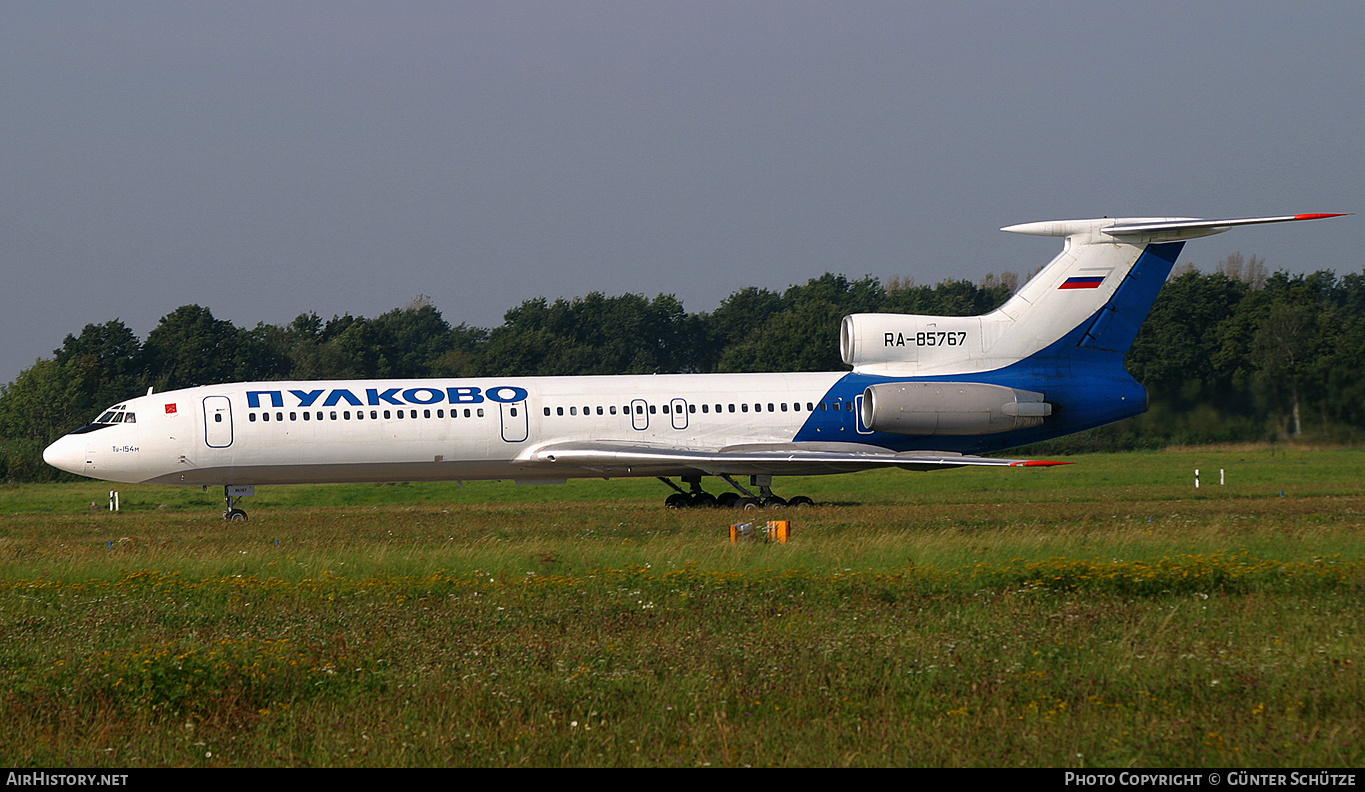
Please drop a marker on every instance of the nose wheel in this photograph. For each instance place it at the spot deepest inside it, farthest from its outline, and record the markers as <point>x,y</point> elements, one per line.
<point>233,514</point>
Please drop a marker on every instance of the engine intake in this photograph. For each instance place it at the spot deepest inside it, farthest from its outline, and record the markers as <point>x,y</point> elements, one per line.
<point>950,408</point>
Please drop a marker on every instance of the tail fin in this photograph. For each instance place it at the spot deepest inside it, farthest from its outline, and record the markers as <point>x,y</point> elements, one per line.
<point>1095,294</point>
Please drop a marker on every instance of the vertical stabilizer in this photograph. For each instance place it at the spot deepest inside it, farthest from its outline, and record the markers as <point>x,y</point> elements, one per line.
<point>1095,294</point>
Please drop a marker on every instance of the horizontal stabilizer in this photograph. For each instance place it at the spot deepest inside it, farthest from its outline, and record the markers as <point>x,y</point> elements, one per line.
<point>1168,229</point>
<point>1217,225</point>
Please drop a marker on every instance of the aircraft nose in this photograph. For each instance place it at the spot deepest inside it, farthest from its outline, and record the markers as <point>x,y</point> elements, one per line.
<point>67,453</point>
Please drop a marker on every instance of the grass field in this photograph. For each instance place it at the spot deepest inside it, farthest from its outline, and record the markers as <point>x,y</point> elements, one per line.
<point>1101,614</point>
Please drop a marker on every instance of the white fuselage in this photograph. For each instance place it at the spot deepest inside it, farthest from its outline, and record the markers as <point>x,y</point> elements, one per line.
<point>413,430</point>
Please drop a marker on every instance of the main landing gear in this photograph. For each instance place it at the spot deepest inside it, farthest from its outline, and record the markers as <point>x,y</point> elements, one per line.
<point>696,498</point>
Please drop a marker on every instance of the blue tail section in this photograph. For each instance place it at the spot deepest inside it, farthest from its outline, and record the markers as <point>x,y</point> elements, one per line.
<point>1117,323</point>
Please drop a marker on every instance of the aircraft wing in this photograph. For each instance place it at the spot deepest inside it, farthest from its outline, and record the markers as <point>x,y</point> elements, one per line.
<point>787,459</point>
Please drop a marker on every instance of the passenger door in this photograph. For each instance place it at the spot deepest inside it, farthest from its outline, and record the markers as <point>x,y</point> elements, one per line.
<point>217,421</point>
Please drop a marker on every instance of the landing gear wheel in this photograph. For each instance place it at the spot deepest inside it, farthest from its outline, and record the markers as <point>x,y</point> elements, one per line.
<point>234,515</point>
<point>774,502</point>
<point>746,504</point>
<point>800,502</point>
<point>677,501</point>
<point>727,500</point>
<point>703,500</point>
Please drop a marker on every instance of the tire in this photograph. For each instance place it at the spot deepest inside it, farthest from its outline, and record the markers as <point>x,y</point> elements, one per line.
<point>703,500</point>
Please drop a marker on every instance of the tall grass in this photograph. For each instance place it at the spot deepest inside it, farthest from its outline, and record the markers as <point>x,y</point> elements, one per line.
<point>1106,615</point>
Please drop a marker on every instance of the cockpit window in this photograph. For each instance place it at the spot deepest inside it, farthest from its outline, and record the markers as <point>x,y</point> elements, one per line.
<point>116,415</point>
<point>111,416</point>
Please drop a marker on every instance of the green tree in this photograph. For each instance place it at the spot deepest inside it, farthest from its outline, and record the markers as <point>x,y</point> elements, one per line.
<point>189,347</point>
<point>1174,353</point>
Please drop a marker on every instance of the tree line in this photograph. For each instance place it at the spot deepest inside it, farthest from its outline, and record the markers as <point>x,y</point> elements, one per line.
<point>1232,355</point>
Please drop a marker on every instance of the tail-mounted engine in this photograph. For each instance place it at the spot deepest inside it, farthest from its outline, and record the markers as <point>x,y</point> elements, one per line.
<point>910,344</point>
<point>950,408</point>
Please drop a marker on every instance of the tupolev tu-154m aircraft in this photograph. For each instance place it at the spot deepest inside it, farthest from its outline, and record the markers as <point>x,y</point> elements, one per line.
<point>924,393</point>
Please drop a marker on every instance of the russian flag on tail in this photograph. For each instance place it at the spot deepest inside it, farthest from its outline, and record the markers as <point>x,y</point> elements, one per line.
<point>1083,282</point>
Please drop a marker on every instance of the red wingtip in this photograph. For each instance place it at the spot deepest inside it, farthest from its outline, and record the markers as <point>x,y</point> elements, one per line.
<point>1037,463</point>
<point>1319,216</point>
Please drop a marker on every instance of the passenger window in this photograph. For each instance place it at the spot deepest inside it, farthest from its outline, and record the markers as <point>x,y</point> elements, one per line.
<point>599,409</point>
<point>732,408</point>
<point>573,411</point>
<point>466,412</point>
<point>217,417</point>
<point>744,407</point>
<point>692,408</point>
<point>346,415</point>
<point>427,413</point>
<point>386,415</point>
<point>333,415</point>
<point>279,416</point>
<point>613,409</point>
<point>653,409</point>
<point>514,412</point>
<point>374,415</point>
<point>665,409</point>
<point>265,416</point>
<point>480,412</point>
<point>251,417</point>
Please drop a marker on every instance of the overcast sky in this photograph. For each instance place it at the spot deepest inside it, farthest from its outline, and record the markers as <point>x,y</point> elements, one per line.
<point>266,159</point>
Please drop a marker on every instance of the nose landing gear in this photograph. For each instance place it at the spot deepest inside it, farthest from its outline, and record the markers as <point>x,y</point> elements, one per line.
<point>233,493</point>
